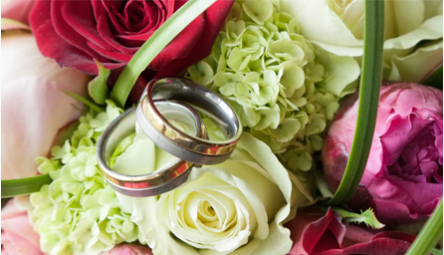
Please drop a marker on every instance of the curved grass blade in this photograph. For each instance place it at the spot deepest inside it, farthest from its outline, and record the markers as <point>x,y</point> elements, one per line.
<point>429,235</point>
<point>24,186</point>
<point>149,50</point>
<point>368,101</point>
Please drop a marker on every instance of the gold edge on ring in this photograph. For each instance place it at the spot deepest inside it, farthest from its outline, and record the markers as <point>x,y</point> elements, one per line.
<point>149,183</point>
<point>181,138</point>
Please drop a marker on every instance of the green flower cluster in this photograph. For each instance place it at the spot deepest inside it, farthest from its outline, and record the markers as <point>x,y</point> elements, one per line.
<point>79,213</point>
<point>284,89</point>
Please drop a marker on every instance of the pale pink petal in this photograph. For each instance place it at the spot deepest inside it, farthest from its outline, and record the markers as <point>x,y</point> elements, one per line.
<point>129,249</point>
<point>13,244</point>
<point>33,111</point>
<point>17,9</point>
<point>18,235</point>
<point>33,107</point>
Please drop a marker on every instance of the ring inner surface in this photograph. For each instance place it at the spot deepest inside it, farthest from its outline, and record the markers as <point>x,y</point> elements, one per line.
<point>125,126</point>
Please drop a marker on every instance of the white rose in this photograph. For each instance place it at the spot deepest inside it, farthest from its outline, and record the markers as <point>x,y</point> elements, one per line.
<point>337,26</point>
<point>237,206</point>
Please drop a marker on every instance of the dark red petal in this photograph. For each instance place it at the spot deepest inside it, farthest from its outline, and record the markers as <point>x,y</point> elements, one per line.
<point>52,45</point>
<point>110,9</point>
<point>104,31</point>
<point>80,17</point>
<point>154,13</point>
<point>112,55</point>
<point>171,6</point>
<point>64,30</point>
<point>323,234</point>
<point>380,246</point>
<point>358,234</point>
<point>396,235</point>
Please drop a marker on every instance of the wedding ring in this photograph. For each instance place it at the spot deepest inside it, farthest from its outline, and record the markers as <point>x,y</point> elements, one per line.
<point>192,149</point>
<point>163,179</point>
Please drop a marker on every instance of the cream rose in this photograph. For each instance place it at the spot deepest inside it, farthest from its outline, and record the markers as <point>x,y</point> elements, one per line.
<point>238,206</point>
<point>337,26</point>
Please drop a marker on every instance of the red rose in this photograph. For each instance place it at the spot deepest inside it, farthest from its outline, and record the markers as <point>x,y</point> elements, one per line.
<point>314,234</point>
<point>110,31</point>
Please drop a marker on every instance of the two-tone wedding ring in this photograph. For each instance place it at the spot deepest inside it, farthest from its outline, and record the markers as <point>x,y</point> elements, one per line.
<point>163,179</point>
<point>194,149</point>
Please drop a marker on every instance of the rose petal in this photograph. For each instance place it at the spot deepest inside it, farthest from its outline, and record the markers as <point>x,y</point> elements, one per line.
<point>312,236</point>
<point>129,249</point>
<point>17,9</point>
<point>17,232</point>
<point>59,10</point>
<point>33,105</point>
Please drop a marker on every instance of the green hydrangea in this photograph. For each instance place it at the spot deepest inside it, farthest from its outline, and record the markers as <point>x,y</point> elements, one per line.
<point>284,89</point>
<point>78,213</point>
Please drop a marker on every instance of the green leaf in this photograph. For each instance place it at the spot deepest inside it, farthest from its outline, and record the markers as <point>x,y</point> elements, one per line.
<point>24,186</point>
<point>435,79</point>
<point>149,50</point>
<point>98,88</point>
<point>84,100</point>
<point>368,101</point>
<point>429,235</point>
<point>368,217</point>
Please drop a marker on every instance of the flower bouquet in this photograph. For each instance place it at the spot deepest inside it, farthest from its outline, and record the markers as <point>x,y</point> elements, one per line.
<point>319,127</point>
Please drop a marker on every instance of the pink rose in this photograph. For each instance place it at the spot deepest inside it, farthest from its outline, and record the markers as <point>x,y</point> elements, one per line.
<point>18,236</point>
<point>129,249</point>
<point>17,9</point>
<point>403,177</point>
<point>34,108</point>
<point>314,233</point>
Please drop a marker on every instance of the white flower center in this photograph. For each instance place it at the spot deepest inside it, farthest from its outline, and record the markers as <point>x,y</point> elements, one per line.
<point>338,6</point>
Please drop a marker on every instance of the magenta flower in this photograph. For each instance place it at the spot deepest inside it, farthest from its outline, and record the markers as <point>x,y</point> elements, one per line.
<point>403,177</point>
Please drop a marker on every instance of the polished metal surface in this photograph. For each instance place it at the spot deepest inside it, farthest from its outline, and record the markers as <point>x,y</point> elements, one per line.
<point>190,148</point>
<point>160,181</point>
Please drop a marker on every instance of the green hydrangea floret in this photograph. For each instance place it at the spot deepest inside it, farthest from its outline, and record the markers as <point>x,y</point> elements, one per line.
<point>78,213</point>
<point>284,88</point>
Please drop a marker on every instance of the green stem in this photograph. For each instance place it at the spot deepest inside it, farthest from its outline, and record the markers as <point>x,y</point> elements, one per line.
<point>149,50</point>
<point>368,101</point>
<point>24,186</point>
<point>429,235</point>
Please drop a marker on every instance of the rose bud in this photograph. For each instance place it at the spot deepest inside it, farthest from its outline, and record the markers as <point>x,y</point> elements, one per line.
<point>402,181</point>
<point>314,233</point>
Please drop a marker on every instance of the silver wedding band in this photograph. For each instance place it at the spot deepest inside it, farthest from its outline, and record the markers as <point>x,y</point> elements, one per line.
<point>190,148</point>
<point>178,99</point>
<point>160,181</point>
